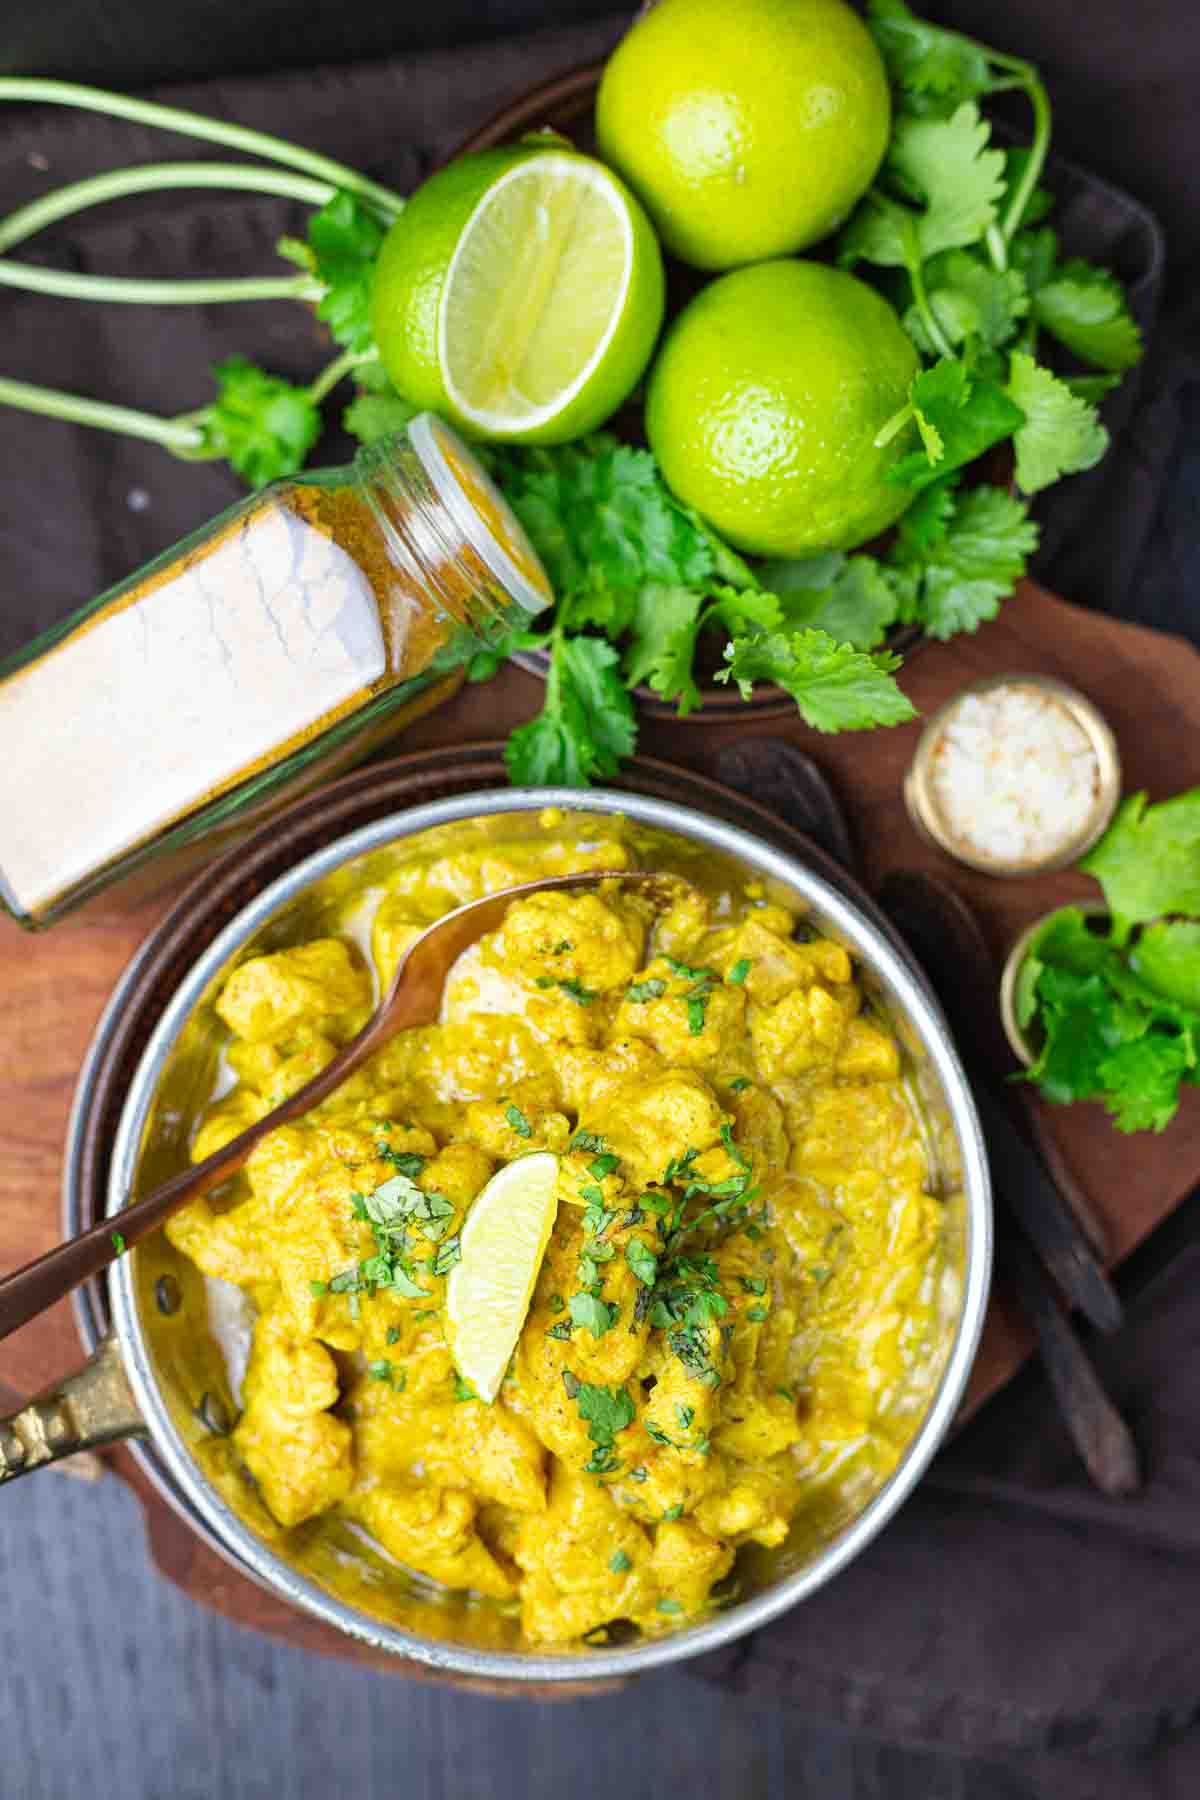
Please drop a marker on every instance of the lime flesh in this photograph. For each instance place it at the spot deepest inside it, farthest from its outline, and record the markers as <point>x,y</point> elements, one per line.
<point>519,294</point>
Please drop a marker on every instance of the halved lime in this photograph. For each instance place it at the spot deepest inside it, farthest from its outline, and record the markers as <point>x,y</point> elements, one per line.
<point>519,294</point>
<point>489,1290</point>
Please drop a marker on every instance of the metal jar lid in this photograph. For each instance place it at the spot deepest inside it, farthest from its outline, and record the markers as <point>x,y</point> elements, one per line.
<point>920,795</point>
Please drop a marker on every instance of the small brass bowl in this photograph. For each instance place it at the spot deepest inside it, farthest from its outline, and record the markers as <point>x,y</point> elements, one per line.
<point>1019,1042</point>
<point>920,795</point>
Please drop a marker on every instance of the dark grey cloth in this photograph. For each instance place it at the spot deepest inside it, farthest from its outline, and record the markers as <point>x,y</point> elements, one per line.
<point>1008,1609</point>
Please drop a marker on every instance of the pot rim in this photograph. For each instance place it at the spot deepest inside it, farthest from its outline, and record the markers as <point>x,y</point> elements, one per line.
<point>918,1008</point>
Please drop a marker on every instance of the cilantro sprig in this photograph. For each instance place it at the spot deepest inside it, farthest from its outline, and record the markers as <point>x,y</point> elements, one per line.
<point>1114,1011</point>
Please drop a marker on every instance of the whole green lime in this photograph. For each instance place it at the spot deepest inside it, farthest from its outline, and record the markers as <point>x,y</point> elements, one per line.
<point>748,128</point>
<point>519,294</point>
<point>765,401</point>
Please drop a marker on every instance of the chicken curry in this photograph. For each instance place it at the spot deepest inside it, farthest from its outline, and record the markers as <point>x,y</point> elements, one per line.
<point>740,1281</point>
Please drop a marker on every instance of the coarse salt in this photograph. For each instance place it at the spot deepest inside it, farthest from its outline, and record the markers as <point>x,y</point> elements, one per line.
<point>1014,775</point>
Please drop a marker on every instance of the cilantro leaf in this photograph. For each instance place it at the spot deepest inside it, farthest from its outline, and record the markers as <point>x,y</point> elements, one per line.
<point>602,518</point>
<point>605,1410</point>
<point>664,629</point>
<point>848,597</point>
<point>835,687</point>
<point>586,726</point>
<point>345,238</point>
<point>1167,957</point>
<point>972,303</point>
<point>591,1314</point>
<point>975,561</point>
<point>641,991</point>
<point>947,163</point>
<point>1106,1032</point>
<point>945,167</point>
<point>372,416</point>
<point>262,425</point>
<point>930,66</point>
<point>517,1120</point>
<point>1061,434</point>
<point>1148,861</point>
<point>1085,308</point>
<point>927,520</point>
<point>1139,1081</point>
<point>642,1261</point>
<point>959,417</point>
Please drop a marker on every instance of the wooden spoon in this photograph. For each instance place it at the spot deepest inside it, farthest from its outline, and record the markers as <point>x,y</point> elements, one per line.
<point>414,998</point>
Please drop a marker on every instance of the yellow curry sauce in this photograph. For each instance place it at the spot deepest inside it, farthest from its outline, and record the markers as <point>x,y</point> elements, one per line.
<point>740,1282</point>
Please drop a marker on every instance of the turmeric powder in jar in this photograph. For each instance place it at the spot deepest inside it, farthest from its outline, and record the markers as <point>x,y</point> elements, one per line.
<point>280,642</point>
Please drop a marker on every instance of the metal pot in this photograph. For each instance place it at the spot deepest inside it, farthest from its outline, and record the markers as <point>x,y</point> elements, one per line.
<point>158,1373</point>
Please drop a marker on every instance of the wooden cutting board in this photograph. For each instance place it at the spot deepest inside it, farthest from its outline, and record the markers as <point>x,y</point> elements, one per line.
<point>53,986</point>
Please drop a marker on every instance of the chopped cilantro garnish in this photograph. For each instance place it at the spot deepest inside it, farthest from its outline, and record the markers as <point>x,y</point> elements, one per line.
<point>752,1284</point>
<point>555,1303</point>
<point>583,996</point>
<point>685,971</point>
<point>607,1411</point>
<point>786,1392</point>
<point>820,1275</point>
<point>697,1007</point>
<point>586,1140</point>
<point>386,1371</point>
<point>739,1086</point>
<point>425,1312</point>
<point>679,1165</point>
<point>449,1254</point>
<point>561,1331</point>
<point>603,1165</point>
<point>518,1121</point>
<point>619,1562</point>
<point>562,946</point>
<point>463,1389</point>
<point>739,1156</point>
<point>739,971</point>
<point>685,1415</point>
<point>674,1512</point>
<point>405,1162</point>
<point>667,1605</point>
<point>641,991</point>
<point>596,1217</point>
<point>393,1334</point>
<point>118,1243</point>
<point>318,1289</point>
<point>756,1313</point>
<point>592,1314</point>
<point>642,1261</point>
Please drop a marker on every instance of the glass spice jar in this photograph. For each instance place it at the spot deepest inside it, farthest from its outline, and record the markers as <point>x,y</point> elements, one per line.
<point>279,643</point>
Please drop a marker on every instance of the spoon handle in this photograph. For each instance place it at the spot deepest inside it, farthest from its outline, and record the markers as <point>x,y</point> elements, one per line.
<point>30,1290</point>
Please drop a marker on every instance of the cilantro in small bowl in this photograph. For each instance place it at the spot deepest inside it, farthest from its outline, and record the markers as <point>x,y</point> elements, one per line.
<point>1103,1002</point>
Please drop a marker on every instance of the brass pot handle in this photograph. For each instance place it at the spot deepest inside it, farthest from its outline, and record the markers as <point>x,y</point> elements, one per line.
<point>92,1407</point>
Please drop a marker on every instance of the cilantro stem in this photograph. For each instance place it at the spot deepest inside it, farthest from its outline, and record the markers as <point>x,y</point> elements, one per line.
<point>129,290</point>
<point>1031,81</point>
<point>32,89</point>
<point>334,372</point>
<point>997,247</point>
<point>179,435</point>
<point>895,424</point>
<point>27,221</point>
<point>921,302</point>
